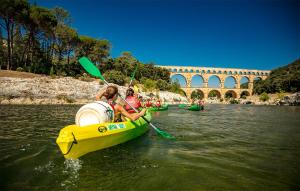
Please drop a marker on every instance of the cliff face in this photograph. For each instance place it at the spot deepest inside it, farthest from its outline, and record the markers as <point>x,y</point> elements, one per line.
<point>47,90</point>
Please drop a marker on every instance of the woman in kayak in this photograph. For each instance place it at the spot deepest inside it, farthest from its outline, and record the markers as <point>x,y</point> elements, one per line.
<point>148,103</point>
<point>111,95</point>
<point>133,100</point>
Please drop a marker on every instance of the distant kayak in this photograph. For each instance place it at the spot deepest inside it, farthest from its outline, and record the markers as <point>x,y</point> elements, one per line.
<point>162,108</point>
<point>181,106</point>
<point>195,108</point>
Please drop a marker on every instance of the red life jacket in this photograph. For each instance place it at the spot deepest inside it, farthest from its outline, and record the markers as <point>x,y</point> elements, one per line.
<point>148,104</point>
<point>134,102</point>
<point>158,104</point>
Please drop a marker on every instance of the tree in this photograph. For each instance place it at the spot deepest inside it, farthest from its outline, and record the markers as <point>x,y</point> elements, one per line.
<point>62,16</point>
<point>213,93</point>
<point>264,97</point>
<point>197,94</point>
<point>66,40</point>
<point>162,85</point>
<point>149,84</point>
<point>286,78</point>
<point>11,12</point>
<point>2,50</point>
<point>39,24</point>
<point>115,77</point>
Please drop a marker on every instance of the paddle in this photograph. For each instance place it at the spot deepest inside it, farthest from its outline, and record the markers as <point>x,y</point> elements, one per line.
<point>94,71</point>
<point>133,74</point>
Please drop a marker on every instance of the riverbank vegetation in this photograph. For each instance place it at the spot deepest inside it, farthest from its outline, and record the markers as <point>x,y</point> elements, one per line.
<point>283,79</point>
<point>42,41</point>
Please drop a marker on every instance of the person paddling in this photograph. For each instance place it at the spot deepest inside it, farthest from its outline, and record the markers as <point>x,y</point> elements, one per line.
<point>148,103</point>
<point>158,103</point>
<point>133,100</point>
<point>111,95</point>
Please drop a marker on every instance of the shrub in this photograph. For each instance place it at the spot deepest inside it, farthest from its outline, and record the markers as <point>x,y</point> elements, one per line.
<point>162,85</point>
<point>20,69</point>
<point>280,95</point>
<point>234,101</point>
<point>115,77</point>
<point>66,98</point>
<point>51,71</point>
<point>264,97</point>
<point>149,84</point>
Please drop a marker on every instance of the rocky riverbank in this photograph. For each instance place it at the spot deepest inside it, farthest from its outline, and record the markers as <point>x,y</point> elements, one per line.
<point>36,89</point>
<point>27,88</point>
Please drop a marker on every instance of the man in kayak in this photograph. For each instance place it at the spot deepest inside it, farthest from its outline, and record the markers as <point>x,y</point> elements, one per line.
<point>111,95</point>
<point>133,100</point>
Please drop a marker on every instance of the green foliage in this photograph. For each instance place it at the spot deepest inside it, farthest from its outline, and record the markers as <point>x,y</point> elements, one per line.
<point>162,85</point>
<point>213,93</point>
<point>264,97</point>
<point>20,69</point>
<point>197,94</point>
<point>149,84</point>
<point>175,88</point>
<point>115,77</point>
<point>280,95</point>
<point>234,101</point>
<point>86,78</point>
<point>43,42</point>
<point>51,71</point>
<point>285,79</point>
<point>66,98</point>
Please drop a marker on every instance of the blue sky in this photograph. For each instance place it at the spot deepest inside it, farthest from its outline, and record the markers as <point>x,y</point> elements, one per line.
<point>252,34</point>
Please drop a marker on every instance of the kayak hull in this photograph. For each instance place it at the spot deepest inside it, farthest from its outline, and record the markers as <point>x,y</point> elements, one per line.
<point>162,108</point>
<point>75,141</point>
<point>195,108</point>
<point>181,106</point>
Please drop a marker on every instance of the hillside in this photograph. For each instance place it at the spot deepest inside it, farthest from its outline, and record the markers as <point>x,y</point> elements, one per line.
<point>286,78</point>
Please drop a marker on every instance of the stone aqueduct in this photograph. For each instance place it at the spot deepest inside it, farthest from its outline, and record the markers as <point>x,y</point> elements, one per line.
<point>222,73</point>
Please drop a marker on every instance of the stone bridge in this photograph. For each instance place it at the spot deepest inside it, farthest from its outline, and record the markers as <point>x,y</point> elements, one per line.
<point>222,74</point>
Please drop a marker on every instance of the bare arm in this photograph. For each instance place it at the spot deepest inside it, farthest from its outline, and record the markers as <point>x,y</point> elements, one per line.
<point>131,116</point>
<point>100,95</point>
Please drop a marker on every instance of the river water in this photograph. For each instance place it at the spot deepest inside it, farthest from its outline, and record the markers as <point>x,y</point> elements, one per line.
<point>225,147</point>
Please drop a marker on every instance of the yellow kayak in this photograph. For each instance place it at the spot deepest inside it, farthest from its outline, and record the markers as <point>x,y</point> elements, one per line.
<point>75,141</point>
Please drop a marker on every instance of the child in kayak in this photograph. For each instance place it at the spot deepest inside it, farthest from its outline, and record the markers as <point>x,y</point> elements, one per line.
<point>133,100</point>
<point>111,95</point>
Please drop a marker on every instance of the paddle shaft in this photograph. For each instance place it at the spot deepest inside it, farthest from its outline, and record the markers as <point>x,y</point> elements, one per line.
<point>133,74</point>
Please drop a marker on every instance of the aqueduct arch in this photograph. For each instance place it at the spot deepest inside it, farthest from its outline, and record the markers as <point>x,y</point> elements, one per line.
<point>189,72</point>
